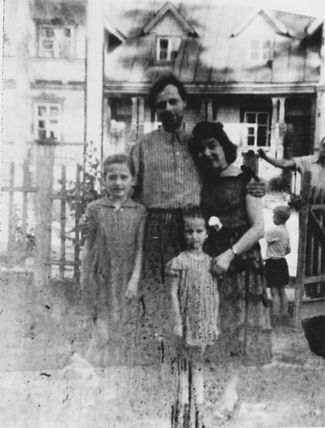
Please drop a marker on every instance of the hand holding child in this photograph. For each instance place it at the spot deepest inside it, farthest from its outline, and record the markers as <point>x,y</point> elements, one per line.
<point>221,263</point>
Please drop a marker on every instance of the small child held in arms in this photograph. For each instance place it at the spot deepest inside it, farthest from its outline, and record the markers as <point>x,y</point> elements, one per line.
<point>276,266</point>
<point>111,264</point>
<point>195,304</point>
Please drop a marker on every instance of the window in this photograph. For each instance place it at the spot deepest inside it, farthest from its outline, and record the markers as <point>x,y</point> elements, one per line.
<point>55,41</point>
<point>47,121</point>
<point>167,48</point>
<point>256,129</point>
<point>261,50</point>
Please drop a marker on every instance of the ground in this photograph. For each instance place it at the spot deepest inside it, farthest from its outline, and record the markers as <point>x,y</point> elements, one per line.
<point>44,385</point>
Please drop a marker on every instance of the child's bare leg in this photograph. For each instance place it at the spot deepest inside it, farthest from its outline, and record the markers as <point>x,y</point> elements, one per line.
<point>283,302</point>
<point>198,382</point>
<point>275,304</point>
<point>98,343</point>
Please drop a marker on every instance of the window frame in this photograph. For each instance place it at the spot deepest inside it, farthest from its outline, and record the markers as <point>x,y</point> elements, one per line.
<point>171,40</point>
<point>58,39</point>
<point>255,126</point>
<point>47,121</point>
<point>261,50</point>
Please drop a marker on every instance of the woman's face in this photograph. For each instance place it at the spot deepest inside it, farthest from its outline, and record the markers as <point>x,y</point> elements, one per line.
<point>213,154</point>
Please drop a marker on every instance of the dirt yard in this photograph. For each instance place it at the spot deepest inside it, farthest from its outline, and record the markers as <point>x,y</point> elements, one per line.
<point>44,383</point>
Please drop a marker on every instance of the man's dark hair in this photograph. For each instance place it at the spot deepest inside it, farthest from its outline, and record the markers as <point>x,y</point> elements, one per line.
<point>160,85</point>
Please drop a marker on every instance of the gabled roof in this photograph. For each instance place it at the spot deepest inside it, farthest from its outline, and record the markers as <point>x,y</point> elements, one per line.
<point>313,27</point>
<point>271,20</point>
<point>113,30</point>
<point>168,7</point>
<point>214,58</point>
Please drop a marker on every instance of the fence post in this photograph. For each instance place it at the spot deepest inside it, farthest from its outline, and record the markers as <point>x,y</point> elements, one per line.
<point>44,202</point>
<point>301,264</point>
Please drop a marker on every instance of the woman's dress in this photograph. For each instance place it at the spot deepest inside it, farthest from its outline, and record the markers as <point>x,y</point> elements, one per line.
<point>244,318</point>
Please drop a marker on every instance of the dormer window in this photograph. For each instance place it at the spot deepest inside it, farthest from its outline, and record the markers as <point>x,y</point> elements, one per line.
<point>167,48</point>
<point>261,50</point>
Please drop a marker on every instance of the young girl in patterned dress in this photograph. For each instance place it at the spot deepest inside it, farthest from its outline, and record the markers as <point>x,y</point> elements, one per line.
<point>114,228</point>
<point>195,303</point>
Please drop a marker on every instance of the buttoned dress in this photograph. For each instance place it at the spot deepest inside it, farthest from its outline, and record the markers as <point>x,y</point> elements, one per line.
<point>108,266</point>
<point>244,320</point>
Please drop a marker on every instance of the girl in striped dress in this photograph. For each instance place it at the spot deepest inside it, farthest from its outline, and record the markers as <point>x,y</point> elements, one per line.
<point>111,266</point>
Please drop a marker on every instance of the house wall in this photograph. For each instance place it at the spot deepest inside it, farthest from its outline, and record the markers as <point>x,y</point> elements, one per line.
<point>168,26</point>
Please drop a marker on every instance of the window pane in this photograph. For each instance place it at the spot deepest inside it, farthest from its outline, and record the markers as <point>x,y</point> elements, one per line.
<point>41,124</point>
<point>163,43</point>
<point>261,136</point>
<point>163,55</point>
<point>41,111</point>
<point>250,117</point>
<point>173,54</point>
<point>262,118</point>
<point>67,32</point>
<point>41,133</point>
<point>47,32</point>
<point>254,44</point>
<point>250,131</point>
<point>250,141</point>
<point>54,111</point>
<point>266,43</point>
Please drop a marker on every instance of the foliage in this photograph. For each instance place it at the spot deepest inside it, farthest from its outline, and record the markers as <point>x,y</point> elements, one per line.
<point>280,184</point>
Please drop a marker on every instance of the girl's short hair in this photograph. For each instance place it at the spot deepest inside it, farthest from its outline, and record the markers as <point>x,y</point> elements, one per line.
<point>120,158</point>
<point>283,212</point>
<point>193,212</point>
<point>205,130</point>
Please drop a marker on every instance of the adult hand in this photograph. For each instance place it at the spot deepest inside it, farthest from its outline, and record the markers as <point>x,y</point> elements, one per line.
<point>87,226</point>
<point>256,188</point>
<point>221,263</point>
<point>261,153</point>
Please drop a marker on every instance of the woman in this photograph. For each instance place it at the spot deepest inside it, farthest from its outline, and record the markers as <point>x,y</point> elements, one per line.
<point>244,319</point>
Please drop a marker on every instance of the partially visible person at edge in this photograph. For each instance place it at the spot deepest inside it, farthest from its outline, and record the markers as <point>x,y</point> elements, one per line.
<point>315,164</point>
<point>166,181</point>
<point>245,328</point>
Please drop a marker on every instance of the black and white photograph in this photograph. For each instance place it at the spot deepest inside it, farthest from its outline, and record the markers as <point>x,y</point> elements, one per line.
<point>162,214</point>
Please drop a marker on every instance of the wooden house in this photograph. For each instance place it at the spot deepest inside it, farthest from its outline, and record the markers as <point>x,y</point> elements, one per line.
<point>257,71</point>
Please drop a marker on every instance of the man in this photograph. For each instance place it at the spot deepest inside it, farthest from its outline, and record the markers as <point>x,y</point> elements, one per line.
<point>166,182</point>
<point>315,164</point>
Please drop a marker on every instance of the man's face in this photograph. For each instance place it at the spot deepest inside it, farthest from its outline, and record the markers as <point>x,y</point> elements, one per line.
<point>170,108</point>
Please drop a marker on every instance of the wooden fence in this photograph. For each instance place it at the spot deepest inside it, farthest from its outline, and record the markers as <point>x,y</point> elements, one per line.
<point>41,186</point>
<point>310,279</point>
